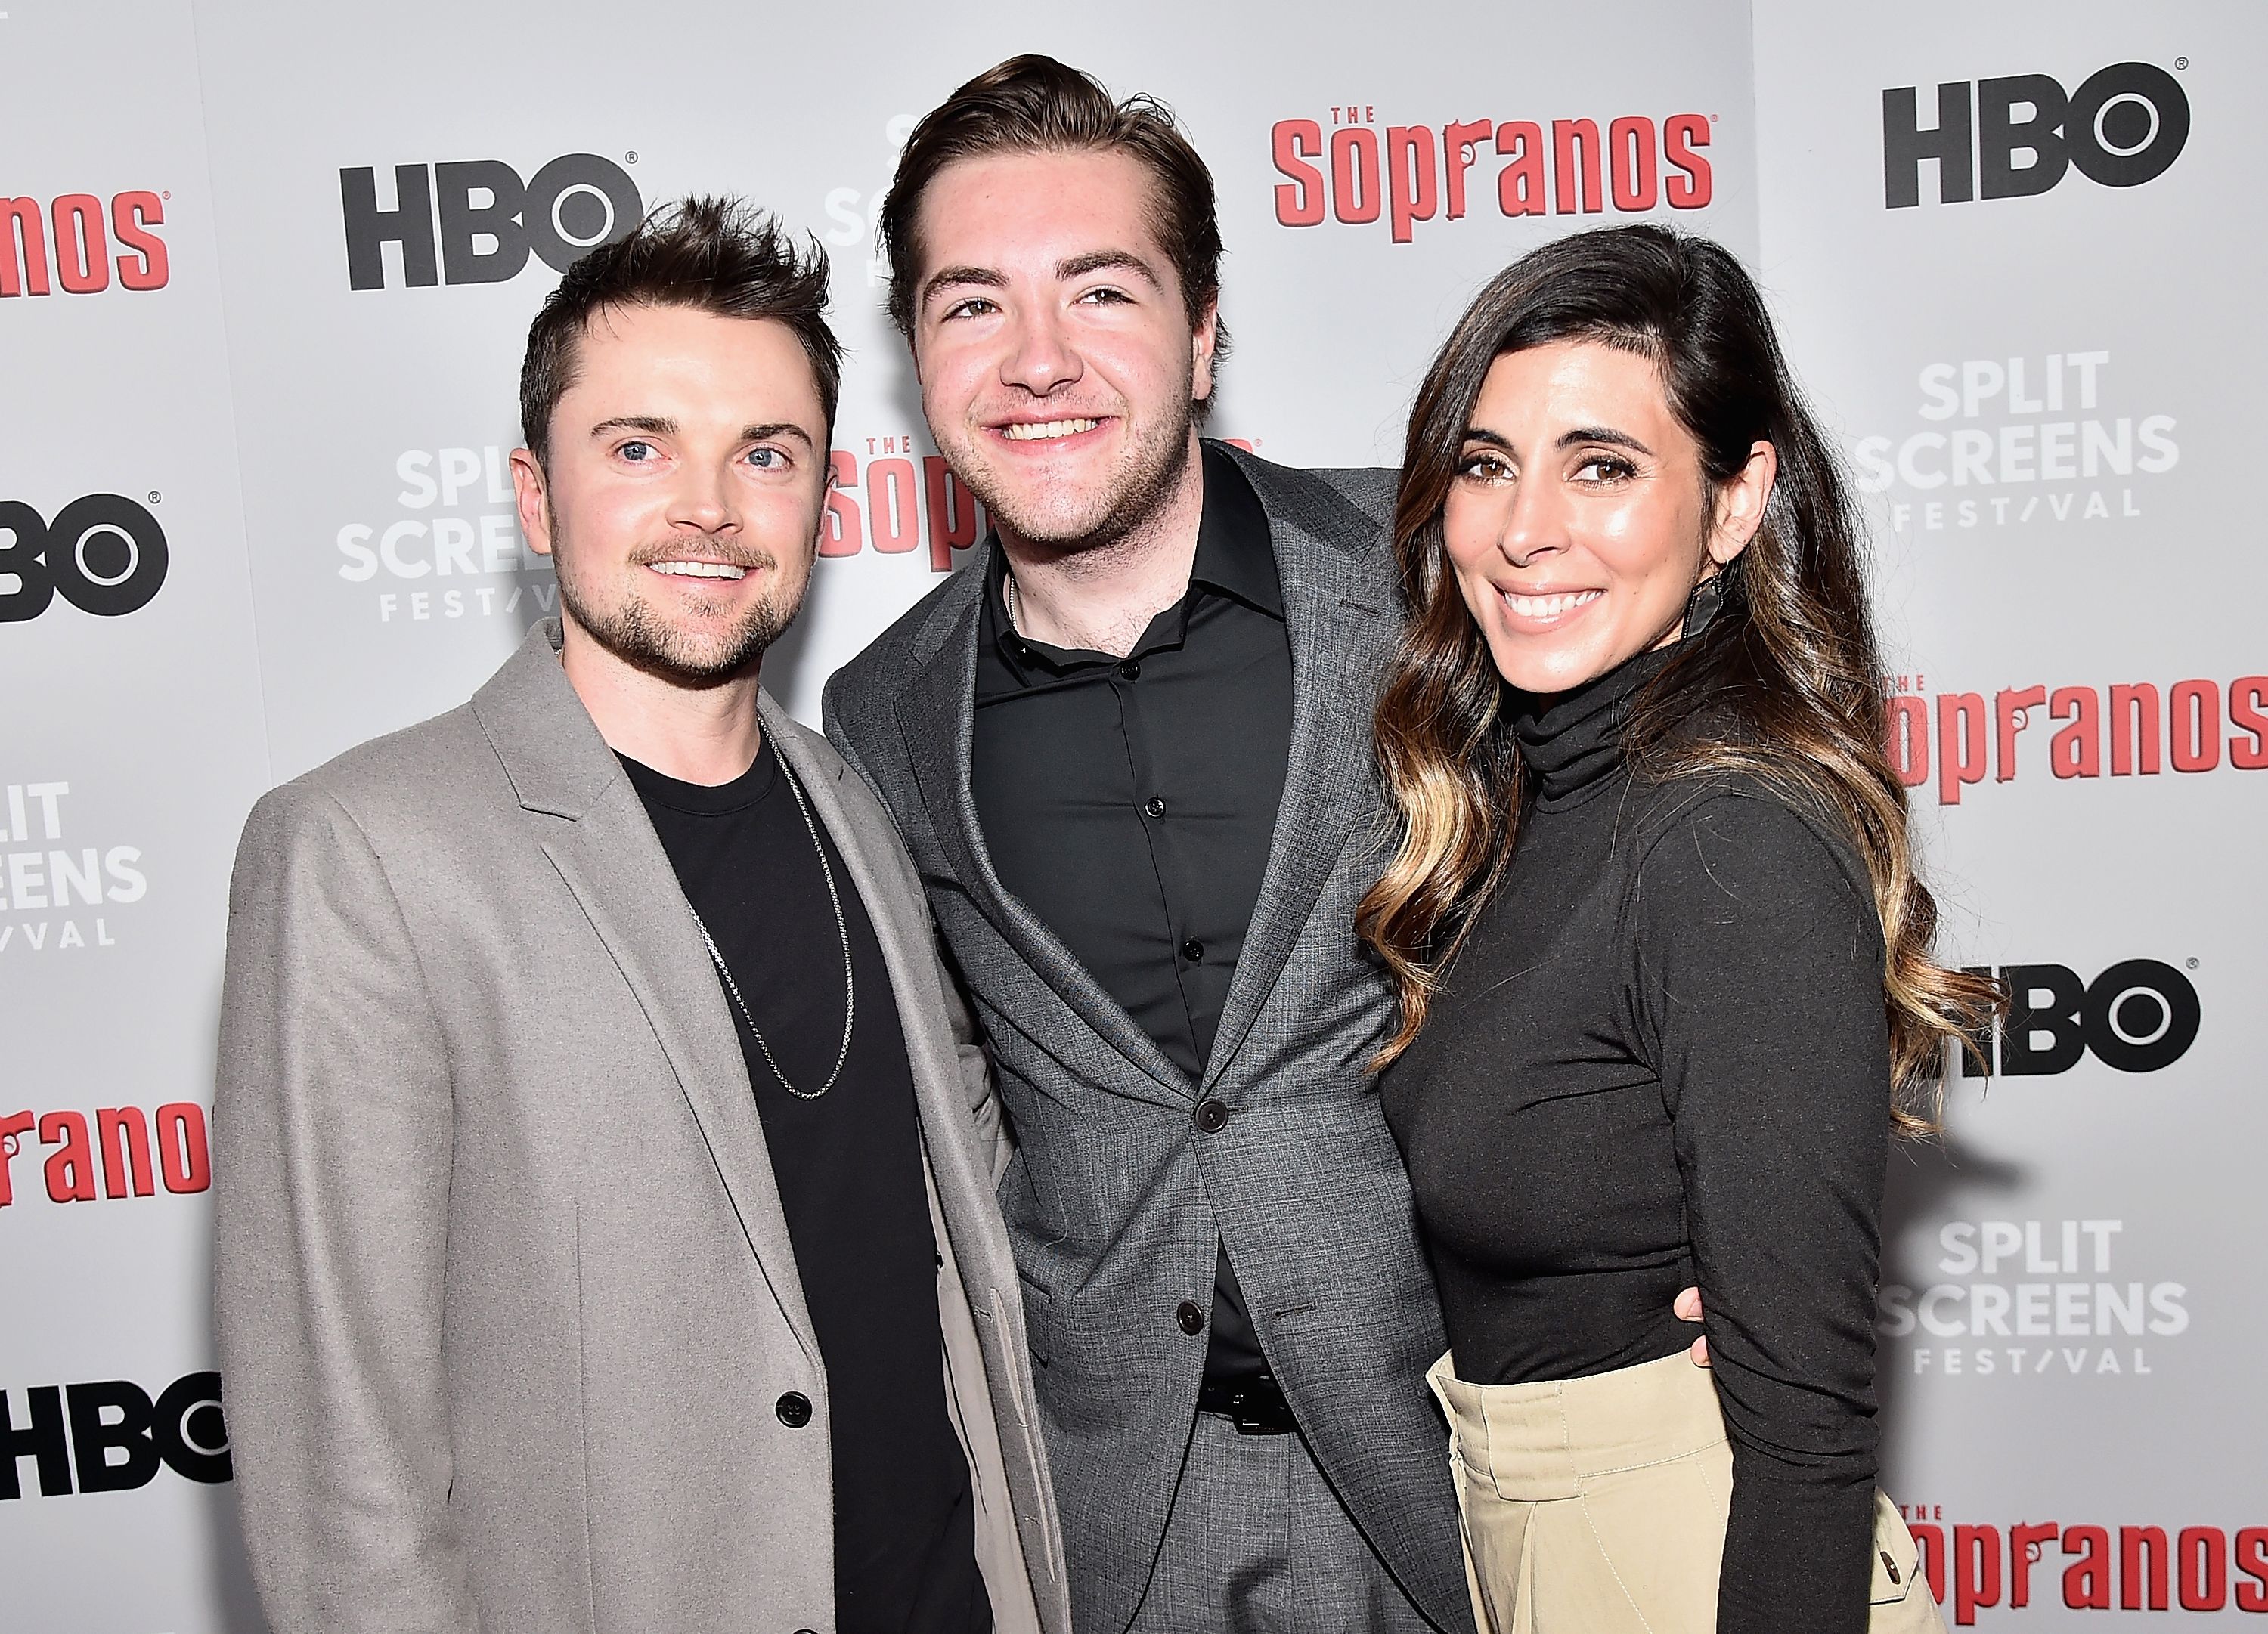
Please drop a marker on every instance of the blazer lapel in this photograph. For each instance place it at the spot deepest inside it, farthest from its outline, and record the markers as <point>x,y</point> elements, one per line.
<point>1337,618</point>
<point>937,714</point>
<point>612,862</point>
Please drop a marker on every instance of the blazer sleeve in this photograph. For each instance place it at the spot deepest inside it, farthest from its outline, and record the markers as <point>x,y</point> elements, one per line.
<point>331,1174</point>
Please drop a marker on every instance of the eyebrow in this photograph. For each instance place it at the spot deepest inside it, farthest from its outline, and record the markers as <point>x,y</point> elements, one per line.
<point>1070,267</point>
<point>1568,440</point>
<point>662,425</point>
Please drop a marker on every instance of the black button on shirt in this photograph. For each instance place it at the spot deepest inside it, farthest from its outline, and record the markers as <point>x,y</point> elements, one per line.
<point>1130,802</point>
<point>848,1168</point>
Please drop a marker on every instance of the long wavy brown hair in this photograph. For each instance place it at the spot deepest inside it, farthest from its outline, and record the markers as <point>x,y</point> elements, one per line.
<point>1785,683</point>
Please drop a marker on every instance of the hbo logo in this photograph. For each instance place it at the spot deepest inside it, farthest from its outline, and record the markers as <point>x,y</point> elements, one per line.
<point>2122,128</point>
<point>105,553</point>
<point>2137,1016</point>
<point>488,218</point>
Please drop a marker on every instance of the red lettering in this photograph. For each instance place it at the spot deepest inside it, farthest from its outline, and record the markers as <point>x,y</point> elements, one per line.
<point>125,1137</point>
<point>891,518</point>
<point>2006,706</point>
<point>1630,155</point>
<point>2025,1542</point>
<point>844,533</point>
<point>82,251</point>
<point>12,1126</point>
<point>952,513</point>
<point>1354,175</point>
<point>1459,143</point>
<point>2141,1559</point>
<point>2252,1560</point>
<point>2193,725</point>
<point>1410,177</point>
<point>1520,184</point>
<point>70,1172</point>
<point>1931,1541</point>
<point>1908,747</point>
<point>2205,1548</point>
<point>23,257</point>
<point>184,1158</point>
<point>2247,696</point>
<point>2134,720</point>
<point>1681,133</point>
<point>2076,750</point>
<point>2087,1580</point>
<point>1575,153</point>
<point>1299,202</point>
<point>131,214</point>
<point>1960,743</point>
<point>1975,1570</point>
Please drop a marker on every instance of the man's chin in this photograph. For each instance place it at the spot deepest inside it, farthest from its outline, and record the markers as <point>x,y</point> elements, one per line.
<point>686,655</point>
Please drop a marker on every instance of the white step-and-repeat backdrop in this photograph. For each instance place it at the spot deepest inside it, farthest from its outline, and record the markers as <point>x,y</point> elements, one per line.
<point>265,274</point>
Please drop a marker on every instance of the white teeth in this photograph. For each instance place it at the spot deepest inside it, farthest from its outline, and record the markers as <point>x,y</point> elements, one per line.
<point>1046,429</point>
<point>701,570</point>
<point>1549,607</point>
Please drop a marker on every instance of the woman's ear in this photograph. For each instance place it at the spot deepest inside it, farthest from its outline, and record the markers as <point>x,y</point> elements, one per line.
<point>1740,501</point>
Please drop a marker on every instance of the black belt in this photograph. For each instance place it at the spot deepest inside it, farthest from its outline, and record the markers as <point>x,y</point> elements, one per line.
<point>1257,1405</point>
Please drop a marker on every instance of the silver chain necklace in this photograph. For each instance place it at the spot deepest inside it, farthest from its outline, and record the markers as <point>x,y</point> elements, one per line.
<point>850,984</point>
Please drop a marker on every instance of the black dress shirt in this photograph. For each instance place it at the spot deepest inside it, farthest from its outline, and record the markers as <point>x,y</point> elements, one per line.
<point>1131,802</point>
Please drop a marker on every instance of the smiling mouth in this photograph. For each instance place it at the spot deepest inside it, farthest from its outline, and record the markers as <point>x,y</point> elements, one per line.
<point>1551,606</point>
<point>1043,431</point>
<point>699,570</point>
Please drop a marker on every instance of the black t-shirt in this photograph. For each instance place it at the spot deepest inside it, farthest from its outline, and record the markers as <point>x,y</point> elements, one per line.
<point>848,1169</point>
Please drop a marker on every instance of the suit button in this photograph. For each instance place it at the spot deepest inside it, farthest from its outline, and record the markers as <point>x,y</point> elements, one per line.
<point>1193,951</point>
<point>1190,1317</point>
<point>794,1410</point>
<point>1213,1116</point>
<point>1155,805</point>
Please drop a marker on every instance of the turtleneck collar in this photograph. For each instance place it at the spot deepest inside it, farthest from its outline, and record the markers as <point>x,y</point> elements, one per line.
<point>1573,739</point>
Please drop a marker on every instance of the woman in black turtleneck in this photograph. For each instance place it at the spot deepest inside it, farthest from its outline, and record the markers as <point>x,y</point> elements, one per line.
<point>1654,1034</point>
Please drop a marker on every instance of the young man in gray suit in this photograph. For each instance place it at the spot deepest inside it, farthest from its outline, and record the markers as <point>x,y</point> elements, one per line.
<point>605,1175</point>
<point>1130,750</point>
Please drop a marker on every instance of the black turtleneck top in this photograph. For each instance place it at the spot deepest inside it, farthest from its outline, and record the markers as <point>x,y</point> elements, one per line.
<point>1661,1059</point>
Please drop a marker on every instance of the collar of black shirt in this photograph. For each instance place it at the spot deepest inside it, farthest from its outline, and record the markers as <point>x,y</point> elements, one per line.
<point>1234,558</point>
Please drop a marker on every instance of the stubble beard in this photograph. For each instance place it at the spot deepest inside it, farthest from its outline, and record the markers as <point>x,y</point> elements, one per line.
<point>1133,494</point>
<point>633,630</point>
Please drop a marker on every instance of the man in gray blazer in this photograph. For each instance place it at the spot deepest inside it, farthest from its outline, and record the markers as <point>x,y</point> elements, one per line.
<point>604,1172</point>
<point>1129,751</point>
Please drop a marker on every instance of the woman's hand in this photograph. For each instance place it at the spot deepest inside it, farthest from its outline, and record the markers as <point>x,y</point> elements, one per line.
<point>1688,1309</point>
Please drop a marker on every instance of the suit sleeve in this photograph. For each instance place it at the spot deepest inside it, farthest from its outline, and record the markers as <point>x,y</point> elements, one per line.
<point>331,1172</point>
<point>993,1136</point>
<point>1759,992</point>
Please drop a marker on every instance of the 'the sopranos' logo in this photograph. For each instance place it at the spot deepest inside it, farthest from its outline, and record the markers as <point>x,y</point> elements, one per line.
<point>2123,127</point>
<point>137,1152</point>
<point>78,256</point>
<point>1408,173</point>
<point>2195,726</point>
<point>104,553</point>
<point>113,1435</point>
<point>2142,1568</point>
<point>483,220</point>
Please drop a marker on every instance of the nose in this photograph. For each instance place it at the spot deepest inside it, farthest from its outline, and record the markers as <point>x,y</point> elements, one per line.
<point>1535,523</point>
<point>1041,358</point>
<point>702,499</point>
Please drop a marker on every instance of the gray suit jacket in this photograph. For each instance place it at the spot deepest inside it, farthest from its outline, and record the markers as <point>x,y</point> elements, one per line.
<point>1114,1197</point>
<point>505,1297</point>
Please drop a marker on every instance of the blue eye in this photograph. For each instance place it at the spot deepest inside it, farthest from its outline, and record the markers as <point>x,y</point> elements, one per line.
<point>635,451</point>
<point>767,459</point>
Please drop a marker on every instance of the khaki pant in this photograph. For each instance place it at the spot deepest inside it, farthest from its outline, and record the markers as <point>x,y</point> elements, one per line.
<point>1598,1506</point>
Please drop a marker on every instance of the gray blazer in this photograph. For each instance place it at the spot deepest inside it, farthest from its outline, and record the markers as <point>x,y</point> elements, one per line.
<point>1114,1196</point>
<point>505,1299</point>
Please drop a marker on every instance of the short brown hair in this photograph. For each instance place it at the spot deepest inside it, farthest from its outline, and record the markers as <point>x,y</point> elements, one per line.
<point>1036,104</point>
<point>714,254</point>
